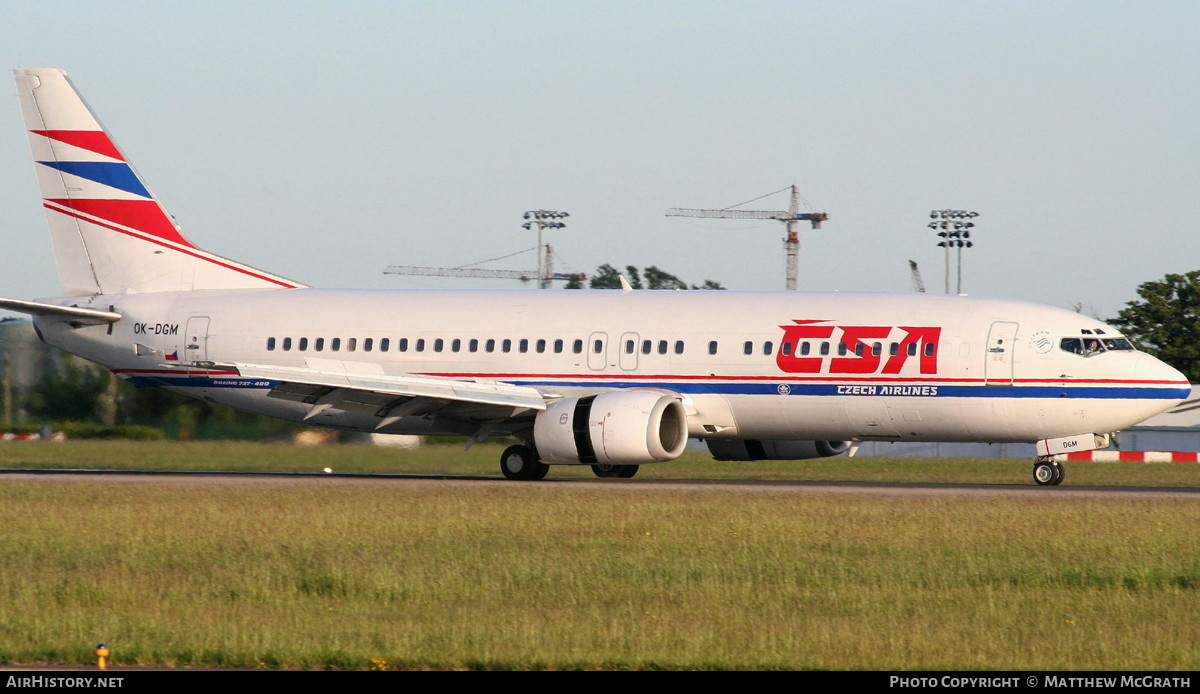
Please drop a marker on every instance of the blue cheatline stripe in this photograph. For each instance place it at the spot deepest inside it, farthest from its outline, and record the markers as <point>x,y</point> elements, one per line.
<point>113,174</point>
<point>897,390</point>
<point>767,388</point>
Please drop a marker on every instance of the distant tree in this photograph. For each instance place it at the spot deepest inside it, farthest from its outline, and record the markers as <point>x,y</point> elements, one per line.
<point>72,391</point>
<point>1166,321</point>
<point>653,277</point>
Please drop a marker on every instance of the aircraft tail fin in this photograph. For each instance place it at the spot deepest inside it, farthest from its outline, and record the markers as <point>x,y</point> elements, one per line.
<point>110,233</point>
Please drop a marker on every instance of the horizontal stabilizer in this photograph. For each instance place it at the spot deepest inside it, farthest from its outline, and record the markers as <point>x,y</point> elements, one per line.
<point>90,316</point>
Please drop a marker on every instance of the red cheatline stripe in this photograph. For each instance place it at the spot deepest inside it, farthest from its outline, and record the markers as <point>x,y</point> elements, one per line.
<point>94,140</point>
<point>214,261</point>
<point>175,372</point>
<point>834,378</point>
<point>144,215</point>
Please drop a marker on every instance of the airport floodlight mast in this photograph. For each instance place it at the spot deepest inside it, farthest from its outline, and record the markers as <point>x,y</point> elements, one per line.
<point>544,274</point>
<point>544,219</point>
<point>792,217</point>
<point>954,233</point>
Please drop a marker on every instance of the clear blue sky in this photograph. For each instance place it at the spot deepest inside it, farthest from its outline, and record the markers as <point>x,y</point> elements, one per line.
<point>324,141</point>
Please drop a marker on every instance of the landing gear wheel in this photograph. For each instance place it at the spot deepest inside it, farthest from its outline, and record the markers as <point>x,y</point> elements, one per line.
<point>1048,473</point>
<point>521,463</point>
<point>625,471</point>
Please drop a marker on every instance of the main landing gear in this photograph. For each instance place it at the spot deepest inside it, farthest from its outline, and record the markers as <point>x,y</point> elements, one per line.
<point>521,463</point>
<point>625,471</point>
<point>1047,472</point>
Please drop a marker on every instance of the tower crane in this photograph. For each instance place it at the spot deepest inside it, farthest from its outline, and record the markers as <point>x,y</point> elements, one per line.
<point>918,283</point>
<point>792,217</point>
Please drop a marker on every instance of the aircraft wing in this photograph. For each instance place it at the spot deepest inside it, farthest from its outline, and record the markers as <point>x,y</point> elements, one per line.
<point>393,397</point>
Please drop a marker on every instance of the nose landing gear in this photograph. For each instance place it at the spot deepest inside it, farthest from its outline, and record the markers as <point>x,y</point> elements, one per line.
<point>1047,472</point>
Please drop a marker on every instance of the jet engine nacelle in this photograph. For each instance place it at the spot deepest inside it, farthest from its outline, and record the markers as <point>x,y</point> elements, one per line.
<point>754,449</point>
<point>630,427</point>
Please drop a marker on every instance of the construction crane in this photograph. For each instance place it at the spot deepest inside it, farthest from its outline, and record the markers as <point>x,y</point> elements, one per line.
<point>542,219</point>
<point>918,283</point>
<point>523,275</point>
<point>792,217</point>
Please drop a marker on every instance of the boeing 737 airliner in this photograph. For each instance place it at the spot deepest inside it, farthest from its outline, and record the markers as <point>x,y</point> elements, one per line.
<point>611,379</point>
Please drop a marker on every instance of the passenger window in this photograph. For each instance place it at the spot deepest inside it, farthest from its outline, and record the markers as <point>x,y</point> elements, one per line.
<point>824,349</point>
<point>320,344</point>
<point>384,343</point>
<point>506,346</point>
<point>367,344</point>
<point>858,349</point>
<point>786,349</point>
<point>437,344</point>
<point>712,347</point>
<point>287,344</point>
<point>351,344</point>
<point>524,345</point>
<point>929,347</point>
<point>912,349</point>
<point>877,349</point>
<point>629,346</point>
<point>402,345</point>
<point>841,349</point>
<point>303,344</point>
<point>473,345</point>
<point>598,346</point>
<point>558,346</point>
<point>748,348</point>
<point>541,346</point>
<point>679,346</point>
<point>420,346</point>
<point>768,347</point>
<point>894,348</point>
<point>647,346</point>
<point>577,346</point>
<point>455,345</point>
<point>335,344</point>
<point>270,344</point>
<point>805,348</point>
<point>662,346</point>
<point>490,346</point>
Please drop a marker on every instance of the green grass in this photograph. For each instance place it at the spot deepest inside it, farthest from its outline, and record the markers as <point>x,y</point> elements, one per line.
<point>330,572</point>
<point>482,459</point>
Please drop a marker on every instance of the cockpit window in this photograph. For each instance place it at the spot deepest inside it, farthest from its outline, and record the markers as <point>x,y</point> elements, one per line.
<point>1088,346</point>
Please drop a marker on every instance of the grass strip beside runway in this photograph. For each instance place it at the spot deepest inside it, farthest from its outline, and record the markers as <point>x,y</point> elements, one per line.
<point>306,574</point>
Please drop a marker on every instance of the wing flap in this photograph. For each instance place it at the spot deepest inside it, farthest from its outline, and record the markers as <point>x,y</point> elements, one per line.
<point>380,394</point>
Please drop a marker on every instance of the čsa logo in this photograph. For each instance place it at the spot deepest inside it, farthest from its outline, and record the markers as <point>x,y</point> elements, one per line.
<point>867,348</point>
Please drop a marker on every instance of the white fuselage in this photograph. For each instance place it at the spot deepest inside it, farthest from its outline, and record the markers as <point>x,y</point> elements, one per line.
<point>915,367</point>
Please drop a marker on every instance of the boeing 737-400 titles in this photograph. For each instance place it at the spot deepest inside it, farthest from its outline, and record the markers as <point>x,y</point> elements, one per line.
<point>611,379</point>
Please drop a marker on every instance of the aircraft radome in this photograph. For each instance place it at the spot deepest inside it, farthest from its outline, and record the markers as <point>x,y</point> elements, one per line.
<point>611,379</point>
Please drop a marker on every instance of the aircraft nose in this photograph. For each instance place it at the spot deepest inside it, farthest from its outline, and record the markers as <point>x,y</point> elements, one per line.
<point>1161,375</point>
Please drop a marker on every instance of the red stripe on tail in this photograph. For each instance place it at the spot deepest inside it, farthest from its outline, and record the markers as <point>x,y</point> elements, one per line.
<point>92,140</point>
<point>143,215</point>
